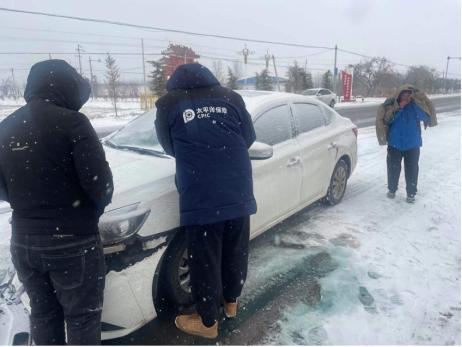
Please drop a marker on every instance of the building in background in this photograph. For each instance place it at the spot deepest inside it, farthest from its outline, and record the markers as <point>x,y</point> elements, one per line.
<point>250,83</point>
<point>174,56</point>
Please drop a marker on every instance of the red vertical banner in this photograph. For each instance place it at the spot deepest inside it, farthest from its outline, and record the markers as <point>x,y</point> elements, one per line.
<point>347,80</point>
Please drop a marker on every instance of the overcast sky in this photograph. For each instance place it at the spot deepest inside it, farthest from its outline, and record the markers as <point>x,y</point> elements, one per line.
<point>412,32</point>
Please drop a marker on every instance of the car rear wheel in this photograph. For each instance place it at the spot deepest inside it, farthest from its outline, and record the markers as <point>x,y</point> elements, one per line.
<point>338,183</point>
<point>175,272</point>
<point>332,103</point>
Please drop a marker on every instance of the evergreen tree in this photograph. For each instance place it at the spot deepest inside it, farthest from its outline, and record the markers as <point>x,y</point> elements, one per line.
<point>309,80</point>
<point>257,81</point>
<point>232,80</point>
<point>265,82</point>
<point>157,83</point>
<point>327,80</point>
<point>298,79</point>
<point>112,80</point>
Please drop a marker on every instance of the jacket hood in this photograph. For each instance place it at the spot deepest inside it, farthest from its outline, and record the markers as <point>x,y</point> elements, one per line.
<point>55,80</point>
<point>191,76</point>
<point>404,87</point>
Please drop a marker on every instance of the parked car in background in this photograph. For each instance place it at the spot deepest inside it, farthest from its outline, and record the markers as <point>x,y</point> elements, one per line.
<point>305,152</point>
<point>325,95</point>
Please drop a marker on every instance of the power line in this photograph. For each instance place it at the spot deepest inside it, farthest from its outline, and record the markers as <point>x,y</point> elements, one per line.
<point>137,26</point>
<point>76,33</point>
<point>74,41</point>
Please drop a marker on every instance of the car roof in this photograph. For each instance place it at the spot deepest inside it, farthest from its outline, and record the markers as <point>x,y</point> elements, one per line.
<point>254,99</point>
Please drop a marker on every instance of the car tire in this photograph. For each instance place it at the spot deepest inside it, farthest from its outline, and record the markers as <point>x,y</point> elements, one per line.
<point>332,103</point>
<point>338,183</point>
<point>174,276</point>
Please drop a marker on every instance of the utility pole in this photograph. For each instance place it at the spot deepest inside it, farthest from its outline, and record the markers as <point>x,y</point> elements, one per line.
<point>446,74</point>
<point>267,59</point>
<point>276,73</point>
<point>79,49</point>
<point>144,76</point>
<point>15,95</point>
<point>92,80</point>
<point>245,52</point>
<point>335,72</point>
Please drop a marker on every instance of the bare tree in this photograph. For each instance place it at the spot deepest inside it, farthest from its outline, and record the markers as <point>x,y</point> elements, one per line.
<point>7,89</point>
<point>217,70</point>
<point>422,77</point>
<point>374,76</point>
<point>112,79</point>
<point>237,70</point>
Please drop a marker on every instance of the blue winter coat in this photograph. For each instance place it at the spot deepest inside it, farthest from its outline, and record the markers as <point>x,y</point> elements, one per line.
<point>208,130</point>
<point>405,132</point>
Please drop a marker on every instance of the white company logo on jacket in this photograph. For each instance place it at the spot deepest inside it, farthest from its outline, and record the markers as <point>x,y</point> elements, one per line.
<point>203,112</point>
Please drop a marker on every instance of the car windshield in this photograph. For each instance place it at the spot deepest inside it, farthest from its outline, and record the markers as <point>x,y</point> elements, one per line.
<point>311,92</point>
<point>139,133</point>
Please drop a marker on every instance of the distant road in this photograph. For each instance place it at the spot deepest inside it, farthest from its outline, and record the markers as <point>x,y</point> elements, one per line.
<point>361,115</point>
<point>364,116</point>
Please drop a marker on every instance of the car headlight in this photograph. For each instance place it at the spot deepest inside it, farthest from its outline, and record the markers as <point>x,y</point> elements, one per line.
<point>121,223</point>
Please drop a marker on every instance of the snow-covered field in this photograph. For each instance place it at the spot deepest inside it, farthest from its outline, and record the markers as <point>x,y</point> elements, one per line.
<point>101,112</point>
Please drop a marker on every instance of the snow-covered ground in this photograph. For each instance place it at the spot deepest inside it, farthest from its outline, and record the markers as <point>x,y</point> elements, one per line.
<point>101,112</point>
<point>398,275</point>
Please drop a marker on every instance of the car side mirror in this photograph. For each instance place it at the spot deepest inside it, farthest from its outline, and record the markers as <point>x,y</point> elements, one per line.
<point>260,151</point>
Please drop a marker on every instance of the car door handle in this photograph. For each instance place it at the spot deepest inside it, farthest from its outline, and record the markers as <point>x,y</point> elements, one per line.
<point>294,161</point>
<point>332,145</point>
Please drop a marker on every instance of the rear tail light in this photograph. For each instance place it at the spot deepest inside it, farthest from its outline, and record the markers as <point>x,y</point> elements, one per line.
<point>355,131</point>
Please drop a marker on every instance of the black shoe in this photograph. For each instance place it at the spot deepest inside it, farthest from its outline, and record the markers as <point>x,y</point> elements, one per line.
<point>391,195</point>
<point>410,198</point>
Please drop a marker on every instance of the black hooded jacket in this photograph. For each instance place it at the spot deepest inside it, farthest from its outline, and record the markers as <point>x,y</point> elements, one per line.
<point>208,130</point>
<point>53,169</point>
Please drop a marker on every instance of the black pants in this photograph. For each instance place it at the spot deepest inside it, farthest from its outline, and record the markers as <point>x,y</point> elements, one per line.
<point>218,257</point>
<point>64,278</point>
<point>411,168</point>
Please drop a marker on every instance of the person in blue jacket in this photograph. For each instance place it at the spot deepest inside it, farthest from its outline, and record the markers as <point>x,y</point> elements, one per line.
<point>404,142</point>
<point>208,130</point>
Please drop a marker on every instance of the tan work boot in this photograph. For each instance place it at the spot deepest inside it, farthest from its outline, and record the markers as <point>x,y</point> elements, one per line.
<point>192,324</point>
<point>230,309</point>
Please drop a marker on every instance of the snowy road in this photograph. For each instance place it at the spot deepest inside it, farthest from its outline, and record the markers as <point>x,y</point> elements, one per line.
<point>368,271</point>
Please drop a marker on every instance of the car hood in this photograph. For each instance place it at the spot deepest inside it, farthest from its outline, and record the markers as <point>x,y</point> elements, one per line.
<point>138,177</point>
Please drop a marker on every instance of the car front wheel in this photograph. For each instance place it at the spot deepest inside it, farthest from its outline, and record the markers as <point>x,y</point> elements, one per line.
<point>338,183</point>
<point>175,274</point>
<point>332,103</point>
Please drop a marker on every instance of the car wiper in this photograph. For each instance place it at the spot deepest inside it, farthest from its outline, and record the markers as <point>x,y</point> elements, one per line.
<point>138,149</point>
<point>110,144</point>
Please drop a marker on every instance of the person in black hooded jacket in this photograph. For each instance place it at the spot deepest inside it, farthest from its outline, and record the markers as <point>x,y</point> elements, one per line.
<point>208,130</point>
<point>54,174</point>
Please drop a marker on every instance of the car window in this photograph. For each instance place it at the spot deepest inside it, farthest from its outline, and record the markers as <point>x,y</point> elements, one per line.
<point>310,92</point>
<point>274,126</point>
<point>139,133</point>
<point>325,92</point>
<point>308,117</point>
<point>330,114</point>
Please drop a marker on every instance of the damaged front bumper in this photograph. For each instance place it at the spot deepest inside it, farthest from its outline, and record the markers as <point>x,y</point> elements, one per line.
<point>14,317</point>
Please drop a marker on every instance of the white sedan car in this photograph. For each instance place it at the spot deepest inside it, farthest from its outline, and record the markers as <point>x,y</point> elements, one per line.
<point>304,152</point>
<point>325,95</point>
